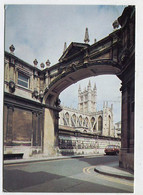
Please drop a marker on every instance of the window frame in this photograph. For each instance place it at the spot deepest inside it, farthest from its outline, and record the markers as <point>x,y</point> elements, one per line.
<point>26,81</point>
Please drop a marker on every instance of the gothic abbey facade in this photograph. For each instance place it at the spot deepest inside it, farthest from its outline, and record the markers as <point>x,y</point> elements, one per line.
<point>86,118</point>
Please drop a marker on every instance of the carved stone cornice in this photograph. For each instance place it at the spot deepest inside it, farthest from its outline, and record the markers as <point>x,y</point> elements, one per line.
<point>24,70</point>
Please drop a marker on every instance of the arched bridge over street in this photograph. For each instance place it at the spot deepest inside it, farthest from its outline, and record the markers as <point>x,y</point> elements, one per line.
<point>80,61</point>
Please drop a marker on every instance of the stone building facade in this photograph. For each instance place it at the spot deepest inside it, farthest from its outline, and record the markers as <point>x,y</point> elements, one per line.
<point>23,112</point>
<point>86,117</point>
<point>117,128</point>
<point>24,115</point>
<point>86,130</point>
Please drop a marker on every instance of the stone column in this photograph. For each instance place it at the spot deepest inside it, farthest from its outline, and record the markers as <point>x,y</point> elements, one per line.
<point>56,128</point>
<point>124,126</point>
<point>131,114</point>
<point>41,132</point>
<point>124,123</point>
<point>34,127</point>
<point>10,110</point>
<point>50,131</point>
<point>37,128</point>
<point>40,129</point>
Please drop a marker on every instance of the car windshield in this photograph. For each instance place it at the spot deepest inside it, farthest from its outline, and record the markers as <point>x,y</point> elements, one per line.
<point>110,146</point>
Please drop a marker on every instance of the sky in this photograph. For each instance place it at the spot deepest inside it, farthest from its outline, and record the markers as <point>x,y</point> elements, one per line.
<point>40,31</point>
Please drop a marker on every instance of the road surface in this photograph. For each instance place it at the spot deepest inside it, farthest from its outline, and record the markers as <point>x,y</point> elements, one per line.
<point>63,175</point>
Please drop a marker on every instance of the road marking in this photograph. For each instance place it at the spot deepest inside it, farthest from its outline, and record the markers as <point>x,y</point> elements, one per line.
<point>86,170</point>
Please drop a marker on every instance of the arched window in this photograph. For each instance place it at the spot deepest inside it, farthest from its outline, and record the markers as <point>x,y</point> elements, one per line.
<point>73,120</point>
<point>92,121</point>
<point>94,127</point>
<point>66,118</point>
<point>86,122</point>
<point>100,123</point>
<point>80,121</point>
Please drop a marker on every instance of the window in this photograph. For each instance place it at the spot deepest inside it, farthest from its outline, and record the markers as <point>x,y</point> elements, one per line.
<point>23,80</point>
<point>66,118</point>
<point>99,123</point>
<point>80,121</point>
<point>73,120</point>
<point>92,121</point>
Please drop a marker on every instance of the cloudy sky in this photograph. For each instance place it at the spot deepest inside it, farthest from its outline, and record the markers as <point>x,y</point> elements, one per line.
<point>40,31</point>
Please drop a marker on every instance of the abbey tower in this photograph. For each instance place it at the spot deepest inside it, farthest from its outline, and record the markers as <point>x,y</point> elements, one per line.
<point>87,99</point>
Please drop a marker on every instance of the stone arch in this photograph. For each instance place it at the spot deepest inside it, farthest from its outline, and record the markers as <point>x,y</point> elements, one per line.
<point>107,56</point>
<point>66,77</point>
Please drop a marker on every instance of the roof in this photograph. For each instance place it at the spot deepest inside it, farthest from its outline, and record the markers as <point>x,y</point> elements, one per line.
<point>73,49</point>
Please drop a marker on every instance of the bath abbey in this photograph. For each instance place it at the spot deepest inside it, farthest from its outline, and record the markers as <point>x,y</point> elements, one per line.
<point>86,118</point>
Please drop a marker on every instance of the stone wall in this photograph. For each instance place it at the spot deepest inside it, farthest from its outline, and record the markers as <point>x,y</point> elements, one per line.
<point>71,145</point>
<point>23,126</point>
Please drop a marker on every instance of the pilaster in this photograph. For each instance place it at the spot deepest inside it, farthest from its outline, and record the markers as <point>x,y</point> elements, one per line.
<point>9,129</point>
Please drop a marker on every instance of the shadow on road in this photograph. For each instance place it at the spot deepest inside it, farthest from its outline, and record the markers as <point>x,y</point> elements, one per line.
<point>99,160</point>
<point>22,181</point>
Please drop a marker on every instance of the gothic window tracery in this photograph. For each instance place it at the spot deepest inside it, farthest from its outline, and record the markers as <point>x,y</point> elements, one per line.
<point>86,122</point>
<point>73,120</point>
<point>92,121</point>
<point>100,123</point>
<point>80,121</point>
<point>66,118</point>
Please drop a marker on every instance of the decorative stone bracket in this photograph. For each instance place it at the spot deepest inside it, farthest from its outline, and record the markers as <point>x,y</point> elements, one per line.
<point>12,86</point>
<point>57,103</point>
<point>124,56</point>
<point>41,95</point>
<point>37,95</point>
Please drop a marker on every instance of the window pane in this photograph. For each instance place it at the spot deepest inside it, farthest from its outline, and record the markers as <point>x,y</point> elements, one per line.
<point>24,84</point>
<point>22,77</point>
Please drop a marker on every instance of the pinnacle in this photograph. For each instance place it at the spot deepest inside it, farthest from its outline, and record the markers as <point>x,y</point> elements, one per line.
<point>86,39</point>
<point>65,47</point>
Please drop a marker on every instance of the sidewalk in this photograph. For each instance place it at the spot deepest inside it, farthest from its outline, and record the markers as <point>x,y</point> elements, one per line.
<point>45,158</point>
<point>114,170</point>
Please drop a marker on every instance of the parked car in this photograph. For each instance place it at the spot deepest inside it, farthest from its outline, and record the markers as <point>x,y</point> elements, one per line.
<point>112,149</point>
